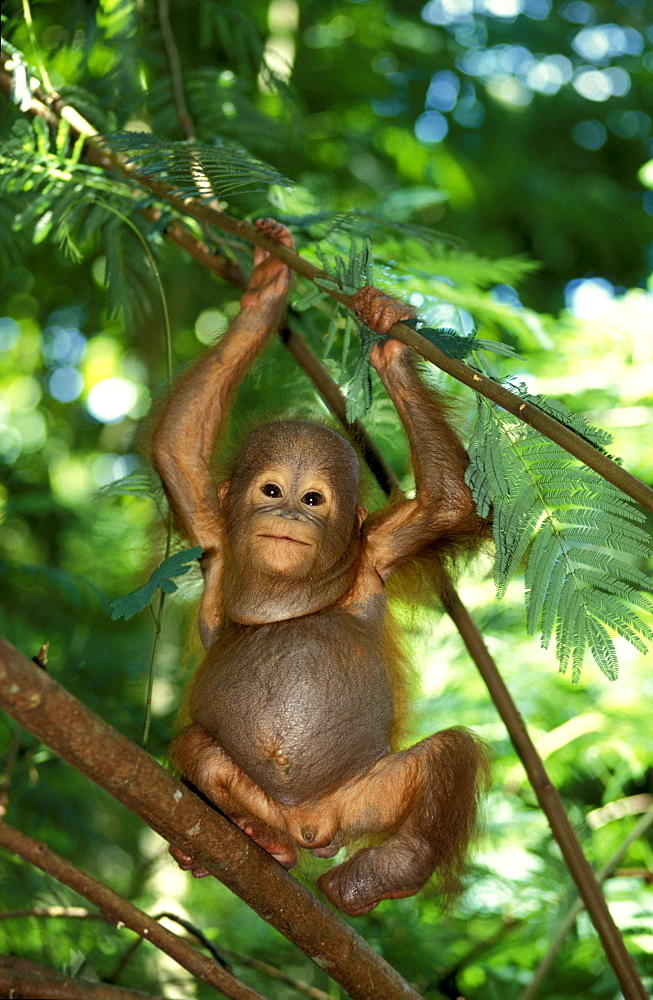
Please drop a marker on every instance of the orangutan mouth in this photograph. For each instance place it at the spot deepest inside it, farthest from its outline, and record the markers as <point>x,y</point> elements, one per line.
<point>282,538</point>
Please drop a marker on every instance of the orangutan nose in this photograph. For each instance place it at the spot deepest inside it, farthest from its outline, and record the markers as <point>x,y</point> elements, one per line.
<point>292,515</point>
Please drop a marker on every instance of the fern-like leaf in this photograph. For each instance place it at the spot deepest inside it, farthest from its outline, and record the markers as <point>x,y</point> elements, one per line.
<point>138,483</point>
<point>55,196</point>
<point>575,421</point>
<point>195,170</point>
<point>349,274</point>
<point>457,345</point>
<point>581,535</point>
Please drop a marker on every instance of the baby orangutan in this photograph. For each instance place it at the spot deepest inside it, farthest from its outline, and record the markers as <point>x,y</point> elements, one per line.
<point>290,715</point>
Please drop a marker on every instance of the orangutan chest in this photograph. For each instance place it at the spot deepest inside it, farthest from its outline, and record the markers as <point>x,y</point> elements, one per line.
<point>300,705</point>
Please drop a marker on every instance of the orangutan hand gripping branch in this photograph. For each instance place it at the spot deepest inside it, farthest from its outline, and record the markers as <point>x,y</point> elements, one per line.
<point>290,716</point>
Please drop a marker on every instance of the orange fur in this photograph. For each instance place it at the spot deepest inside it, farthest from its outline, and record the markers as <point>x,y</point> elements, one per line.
<point>293,721</point>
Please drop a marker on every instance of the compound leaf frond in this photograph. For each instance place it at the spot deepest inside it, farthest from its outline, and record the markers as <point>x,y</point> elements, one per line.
<point>581,538</point>
<point>195,170</point>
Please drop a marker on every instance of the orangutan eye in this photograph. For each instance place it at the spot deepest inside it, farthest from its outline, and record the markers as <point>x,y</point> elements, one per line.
<point>313,498</point>
<point>271,490</point>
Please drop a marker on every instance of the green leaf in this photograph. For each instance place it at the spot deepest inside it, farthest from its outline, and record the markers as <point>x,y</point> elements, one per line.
<point>448,341</point>
<point>175,565</point>
<point>195,170</point>
<point>579,534</point>
<point>457,345</point>
<point>359,391</point>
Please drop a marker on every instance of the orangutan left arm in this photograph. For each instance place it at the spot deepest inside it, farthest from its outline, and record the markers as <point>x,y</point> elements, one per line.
<point>443,508</point>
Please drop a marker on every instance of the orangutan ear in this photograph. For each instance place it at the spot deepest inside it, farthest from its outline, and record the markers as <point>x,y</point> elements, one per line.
<point>361,514</point>
<point>223,489</point>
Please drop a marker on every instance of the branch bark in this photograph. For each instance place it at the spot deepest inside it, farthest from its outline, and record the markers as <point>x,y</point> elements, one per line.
<point>51,714</point>
<point>119,911</point>
<point>551,804</point>
<point>52,106</point>
<point>19,978</point>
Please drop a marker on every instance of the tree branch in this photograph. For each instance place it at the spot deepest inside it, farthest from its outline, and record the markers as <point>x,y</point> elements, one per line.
<point>45,104</point>
<point>550,802</point>
<point>183,114</point>
<point>119,911</point>
<point>19,978</point>
<point>642,827</point>
<point>313,992</point>
<point>54,912</point>
<point>56,718</point>
<point>253,963</point>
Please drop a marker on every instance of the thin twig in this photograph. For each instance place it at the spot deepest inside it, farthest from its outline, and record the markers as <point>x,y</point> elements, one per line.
<point>550,802</point>
<point>174,63</point>
<point>330,392</point>
<point>603,873</point>
<point>644,874</point>
<point>252,963</point>
<point>27,14</point>
<point>269,970</point>
<point>46,709</point>
<point>20,978</point>
<point>7,769</point>
<point>478,952</point>
<point>123,913</point>
<point>54,912</point>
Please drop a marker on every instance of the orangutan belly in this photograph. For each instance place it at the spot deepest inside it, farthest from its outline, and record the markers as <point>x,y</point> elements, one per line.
<point>301,706</point>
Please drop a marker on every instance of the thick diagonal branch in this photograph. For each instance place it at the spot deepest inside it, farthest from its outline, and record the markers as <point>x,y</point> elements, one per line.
<point>547,795</point>
<point>56,718</point>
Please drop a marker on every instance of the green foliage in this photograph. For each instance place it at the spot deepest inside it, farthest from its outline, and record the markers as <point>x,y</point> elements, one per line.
<point>219,105</point>
<point>177,564</point>
<point>449,220</point>
<point>195,170</point>
<point>76,592</point>
<point>117,18</point>
<point>404,246</point>
<point>575,421</point>
<point>455,345</point>
<point>83,100</point>
<point>237,33</point>
<point>354,272</point>
<point>139,483</point>
<point>58,197</point>
<point>350,274</point>
<point>580,572</point>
